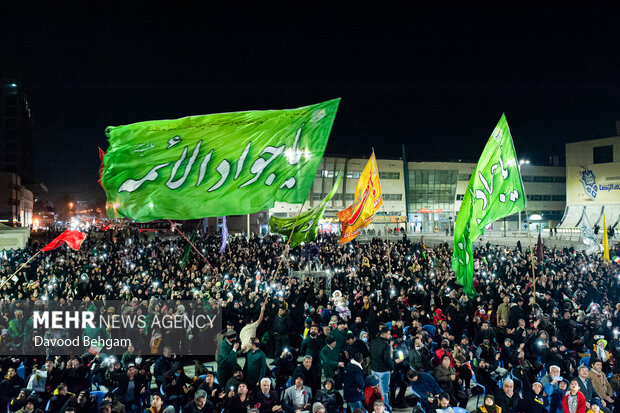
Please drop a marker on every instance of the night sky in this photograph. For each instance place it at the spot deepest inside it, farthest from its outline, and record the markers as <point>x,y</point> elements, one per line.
<point>434,78</point>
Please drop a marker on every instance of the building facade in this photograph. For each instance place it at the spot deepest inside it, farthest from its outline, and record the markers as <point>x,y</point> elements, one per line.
<point>593,182</point>
<point>16,203</point>
<point>430,198</point>
<point>16,136</point>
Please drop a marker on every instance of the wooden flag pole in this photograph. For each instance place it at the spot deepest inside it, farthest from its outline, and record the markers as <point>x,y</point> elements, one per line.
<point>529,236</point>
<point>189,242</point>
<point>288,241</point>
<point>19,269</point>
<point>387,240</point>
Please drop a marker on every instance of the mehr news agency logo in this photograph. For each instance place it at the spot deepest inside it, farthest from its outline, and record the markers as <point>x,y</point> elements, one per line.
<point>82,320</point>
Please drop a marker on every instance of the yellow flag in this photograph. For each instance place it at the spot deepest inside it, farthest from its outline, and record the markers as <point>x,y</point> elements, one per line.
<point>368,199</point>
<point>605,241</point>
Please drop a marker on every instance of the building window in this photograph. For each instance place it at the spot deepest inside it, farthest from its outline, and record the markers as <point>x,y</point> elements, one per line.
<point>316,196</point>
<point>559,179</point>
<point>392,197</point>
<point>603,154</point>
<point>464,177</point>
<point>459,197</point>
<point>389,175</point>
<point>348,197</point>
<point>558,198</point>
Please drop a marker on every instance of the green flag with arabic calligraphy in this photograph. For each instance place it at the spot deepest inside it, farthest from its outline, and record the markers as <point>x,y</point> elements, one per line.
<point>495,190</point>
<point>307,224</point>
<point>214,165</point>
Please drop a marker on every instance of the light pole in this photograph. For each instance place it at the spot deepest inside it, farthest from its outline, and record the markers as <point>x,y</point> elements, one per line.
<point>521,163</point>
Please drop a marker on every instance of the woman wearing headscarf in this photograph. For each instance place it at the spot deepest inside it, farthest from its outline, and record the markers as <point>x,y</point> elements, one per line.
<point>488,405</point>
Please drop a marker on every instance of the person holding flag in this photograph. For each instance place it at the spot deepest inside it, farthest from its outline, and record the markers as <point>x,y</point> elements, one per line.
<point>72,238</point>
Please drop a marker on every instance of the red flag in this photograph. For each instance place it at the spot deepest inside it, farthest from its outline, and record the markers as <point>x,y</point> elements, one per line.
<point>539,249</point>
<point>101,155</point>
<point>73,239</point>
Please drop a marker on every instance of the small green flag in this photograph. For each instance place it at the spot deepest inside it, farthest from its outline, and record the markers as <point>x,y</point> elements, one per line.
<point>214,165</point>
<point>307,226</point>
<point>495,190</point>
<point>188,248</point>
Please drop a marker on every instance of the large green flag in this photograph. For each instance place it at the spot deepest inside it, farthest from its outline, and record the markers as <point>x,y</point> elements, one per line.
<point>214,165</point>
<point>495,190</point>
<point>307,224</point>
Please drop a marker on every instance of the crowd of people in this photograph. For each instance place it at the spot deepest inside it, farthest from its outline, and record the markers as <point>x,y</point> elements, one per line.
<point>377,327</point>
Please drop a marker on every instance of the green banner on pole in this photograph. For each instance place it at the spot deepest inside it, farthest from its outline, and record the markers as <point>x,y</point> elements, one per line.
<point>214,165</point>
<point>495,190</point>
<point>307,224</point>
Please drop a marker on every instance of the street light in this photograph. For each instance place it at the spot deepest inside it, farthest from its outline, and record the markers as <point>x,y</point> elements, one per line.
<point>521,163</point>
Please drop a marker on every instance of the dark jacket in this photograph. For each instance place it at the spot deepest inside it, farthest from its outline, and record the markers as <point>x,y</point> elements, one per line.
<point>353,383</point>
<point>358,346</point>
<point>329,360</point>
<point>312,347</point>
<point>265,402</point>
<point>587,389</point>
<point>312,377</point>
<point>89,407</point>
<point>160,368</point>
<point>123,382</point>
<point>235,405</point>
<point>256,366</point>
<point>191,408</point>
<point>9,388</point>
<point>226,361</point>
<point>420,359</point>
<point>332,400</point>
<point>425,385</point>
<point>380,355</point>
<point>508,404</point>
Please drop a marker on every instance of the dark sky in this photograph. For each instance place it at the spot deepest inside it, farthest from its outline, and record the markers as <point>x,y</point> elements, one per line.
<point>434,78</point>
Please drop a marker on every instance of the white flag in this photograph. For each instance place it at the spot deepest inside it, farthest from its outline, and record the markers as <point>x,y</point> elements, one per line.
<point>587,234</point>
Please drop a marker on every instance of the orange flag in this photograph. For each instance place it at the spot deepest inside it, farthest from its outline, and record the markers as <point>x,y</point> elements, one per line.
<point>368,199</point>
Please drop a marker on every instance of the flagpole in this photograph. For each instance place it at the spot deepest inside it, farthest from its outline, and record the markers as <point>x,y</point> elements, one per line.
<point>529,236</point>
<point>22,266</point>
<point>189,242</point>
<point>288,241</point>
<point>387,240</point>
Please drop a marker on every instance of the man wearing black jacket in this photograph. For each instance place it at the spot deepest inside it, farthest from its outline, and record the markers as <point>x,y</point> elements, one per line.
<point>311,373</point>
<point>381,361</point>
<point>131,388</point>
<point>507,399</point>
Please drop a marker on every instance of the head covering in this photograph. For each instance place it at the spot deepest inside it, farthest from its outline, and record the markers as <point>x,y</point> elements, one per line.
<point>490,396</point>
<point>317,406</point>
<point>372,381</point>
<point>230,333</point>
<point>603,341</point>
